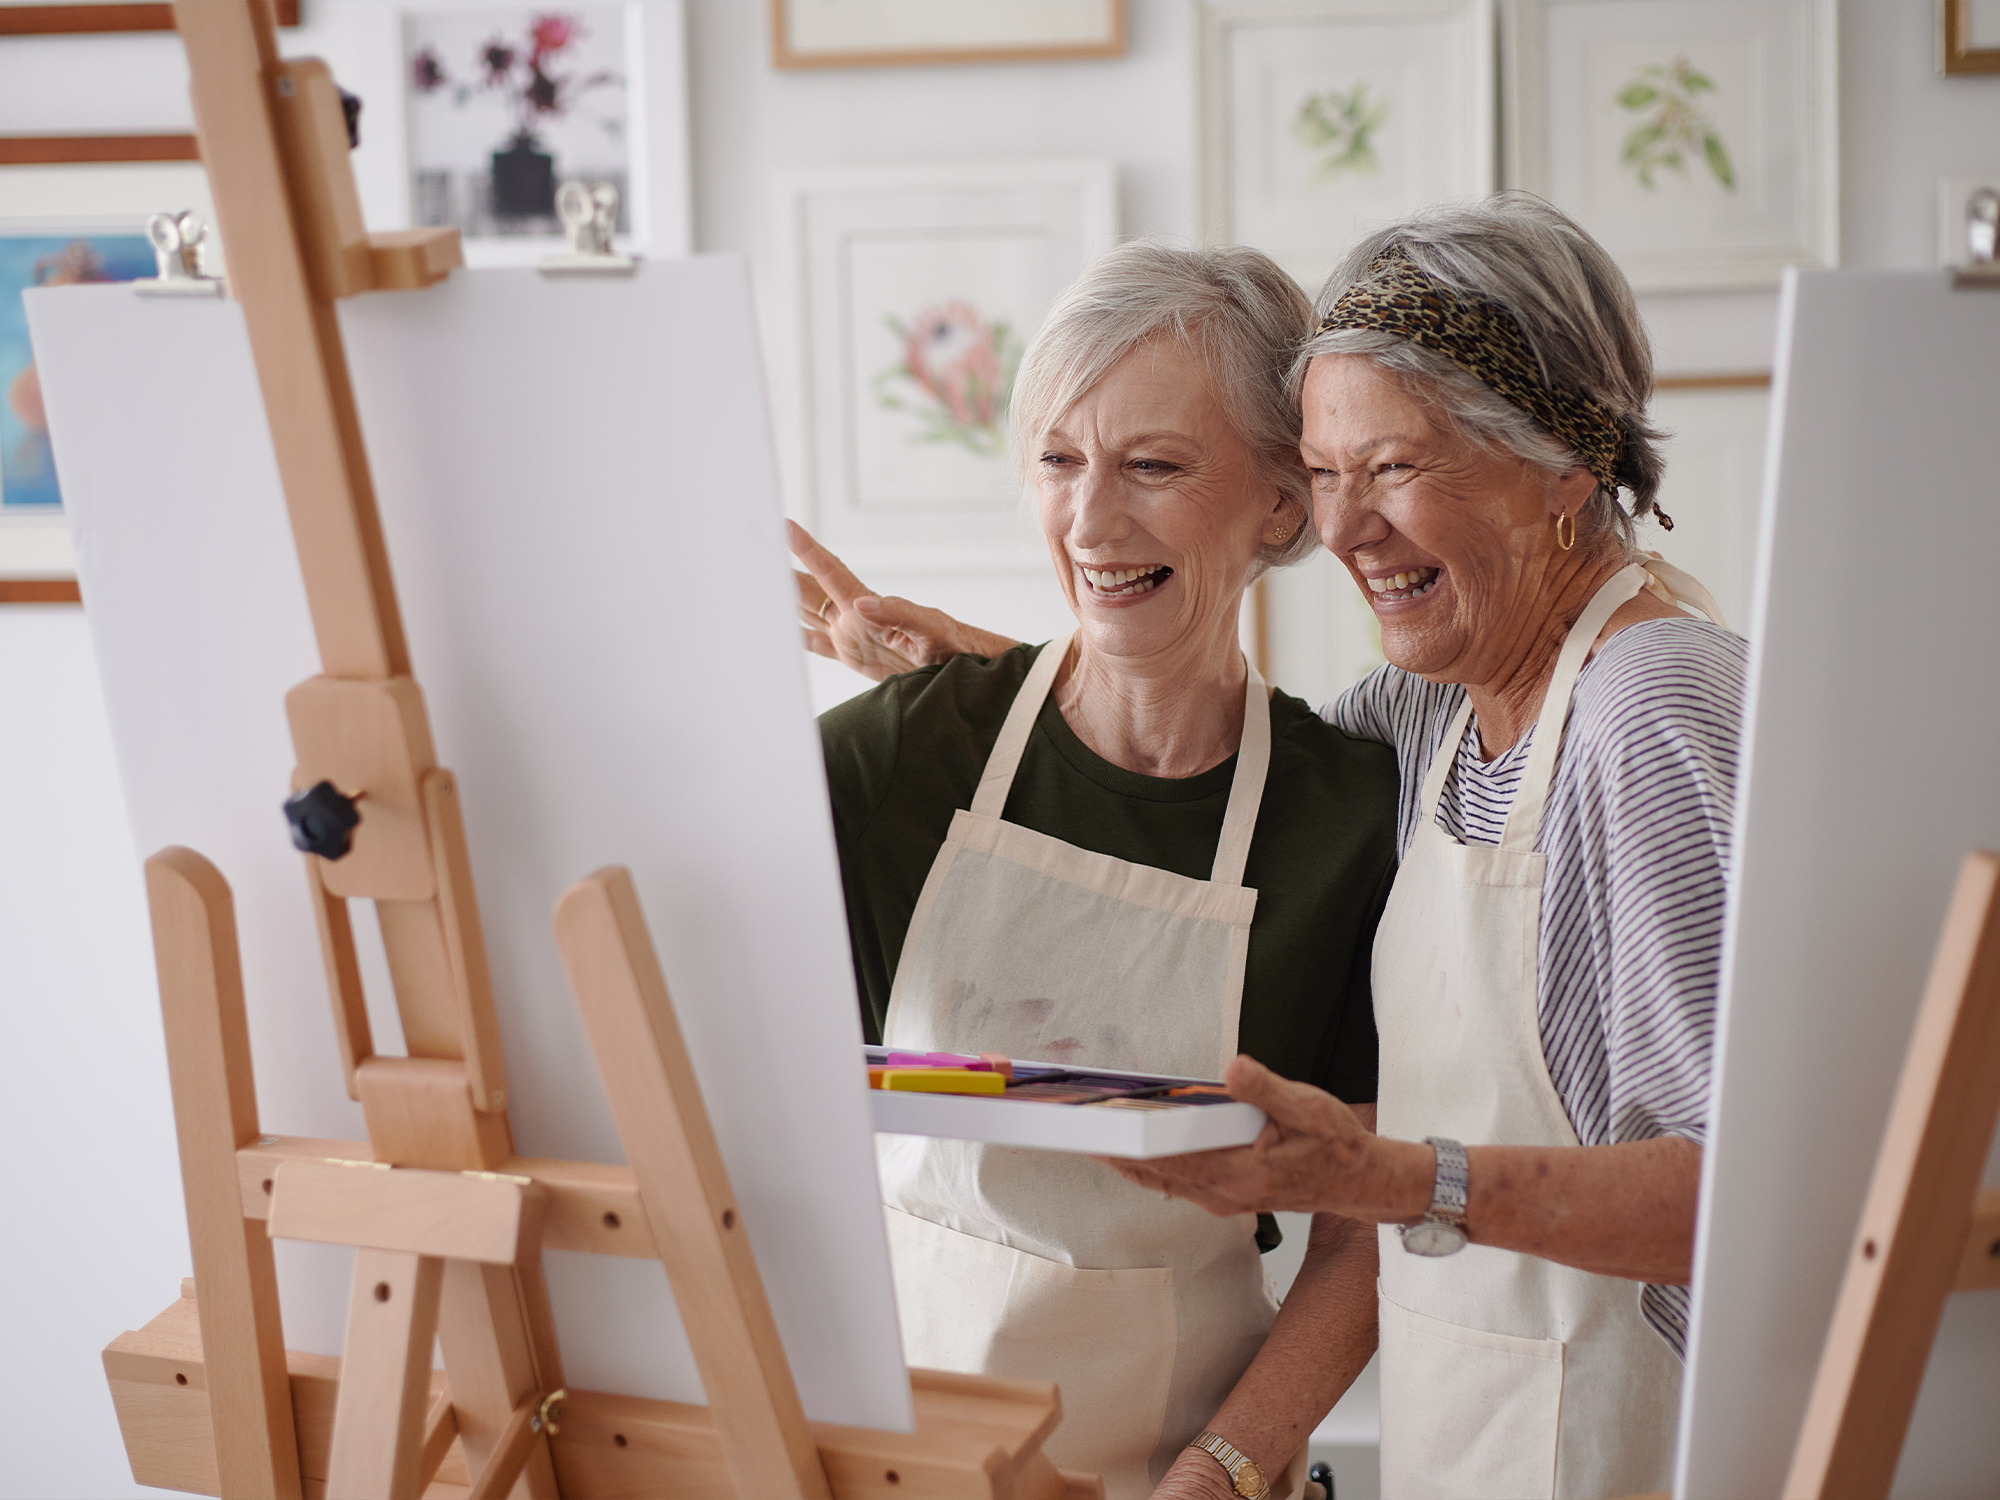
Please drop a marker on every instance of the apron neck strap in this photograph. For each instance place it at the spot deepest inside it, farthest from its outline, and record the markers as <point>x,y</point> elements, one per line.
<point>1524,820</point>
<point>1246,789</point>
<point>990,800</point>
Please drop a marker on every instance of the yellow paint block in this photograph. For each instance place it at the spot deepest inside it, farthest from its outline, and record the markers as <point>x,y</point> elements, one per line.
<point>939,1080</point>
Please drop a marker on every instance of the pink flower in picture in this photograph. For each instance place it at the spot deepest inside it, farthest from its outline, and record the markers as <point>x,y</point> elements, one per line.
<point>956,376</point>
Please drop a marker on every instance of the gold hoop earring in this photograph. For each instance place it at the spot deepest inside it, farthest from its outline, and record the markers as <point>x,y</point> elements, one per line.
<point>1565,539</point>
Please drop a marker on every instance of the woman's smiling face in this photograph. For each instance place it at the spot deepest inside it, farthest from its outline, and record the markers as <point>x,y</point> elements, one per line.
<point>1152,507</point>
<point>1452,544</point>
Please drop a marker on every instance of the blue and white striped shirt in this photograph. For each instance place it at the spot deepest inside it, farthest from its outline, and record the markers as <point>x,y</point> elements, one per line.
<point>1637,836</point>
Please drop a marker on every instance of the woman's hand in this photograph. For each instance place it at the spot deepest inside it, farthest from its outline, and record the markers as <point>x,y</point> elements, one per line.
<point>1314,1155</point>
<point>877,637</point>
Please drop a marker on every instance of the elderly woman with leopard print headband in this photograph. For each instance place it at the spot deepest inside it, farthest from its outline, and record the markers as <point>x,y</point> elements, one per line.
<point>1566,712</point>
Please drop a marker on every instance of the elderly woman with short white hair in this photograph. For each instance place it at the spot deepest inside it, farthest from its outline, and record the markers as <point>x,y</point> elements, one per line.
<point>1566,714</point>
<point>1121,850</point>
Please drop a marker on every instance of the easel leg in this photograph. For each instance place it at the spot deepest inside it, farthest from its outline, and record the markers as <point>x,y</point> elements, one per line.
<point>215,1113</point>
<point>385,1376</point>
<point>1918,1213</point>
<point>490,1363</point>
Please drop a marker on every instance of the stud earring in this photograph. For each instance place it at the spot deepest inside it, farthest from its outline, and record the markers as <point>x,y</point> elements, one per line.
<point>1565,532</point>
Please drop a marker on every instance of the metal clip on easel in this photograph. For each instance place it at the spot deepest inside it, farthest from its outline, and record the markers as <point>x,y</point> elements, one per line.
<point>176,241</point>
<point>589,216</point>
<point>1982,241</point>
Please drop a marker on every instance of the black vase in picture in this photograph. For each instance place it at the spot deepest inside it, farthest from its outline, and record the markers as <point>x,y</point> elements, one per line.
<point>524,181</point>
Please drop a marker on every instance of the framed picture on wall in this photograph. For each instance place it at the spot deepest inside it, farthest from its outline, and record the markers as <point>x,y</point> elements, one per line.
<point>877,33</point>
<point>918,291</point>
<point>1969,36</point>
<point>1697,139</point>
<point>1318,117</point>
<point>76,212</point>
<point>74,19</point>
<point>507,103</point>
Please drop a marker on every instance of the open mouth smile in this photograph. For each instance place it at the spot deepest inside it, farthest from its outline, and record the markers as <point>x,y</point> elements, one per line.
<point>1124,583</point>
<point>1399,588</point>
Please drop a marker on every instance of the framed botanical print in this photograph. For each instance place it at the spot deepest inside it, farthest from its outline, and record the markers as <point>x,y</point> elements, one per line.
<point>1696,139</point>
<point>919,289</point>
<point>1318,117</point>
<point>1969,36</point>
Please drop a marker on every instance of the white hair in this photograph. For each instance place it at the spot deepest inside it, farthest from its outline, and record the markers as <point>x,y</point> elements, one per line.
<point>1235,309</point>
<point>1573,305</point>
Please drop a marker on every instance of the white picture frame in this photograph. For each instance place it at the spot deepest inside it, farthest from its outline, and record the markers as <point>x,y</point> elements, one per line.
<point>1317,118</point>
<point>922,33</point>
<point>1698,140</point>
<point>652,170</point>
<point>907,461</point>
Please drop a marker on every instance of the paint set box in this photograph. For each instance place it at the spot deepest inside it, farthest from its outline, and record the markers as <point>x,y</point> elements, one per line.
<point>1055,1107</point>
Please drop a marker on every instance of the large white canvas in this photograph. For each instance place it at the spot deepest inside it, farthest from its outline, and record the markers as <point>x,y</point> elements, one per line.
<point>1875,725</point>
<point>577,488</point>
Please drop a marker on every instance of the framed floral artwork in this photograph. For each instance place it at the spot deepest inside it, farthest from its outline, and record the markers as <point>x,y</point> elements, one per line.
<point>1969,36</point>
<point>505,104</point>
<point>1697,139</point>
<point>909,33</point>
<point>1320,116</point>
<point>918,290</point>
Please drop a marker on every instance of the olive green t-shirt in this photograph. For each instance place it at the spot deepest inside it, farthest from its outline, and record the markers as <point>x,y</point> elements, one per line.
<point>902,758</point>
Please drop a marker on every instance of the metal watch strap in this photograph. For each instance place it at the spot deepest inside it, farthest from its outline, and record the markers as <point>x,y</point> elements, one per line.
<point>1448,1192</point>
<point>1234,1463</point>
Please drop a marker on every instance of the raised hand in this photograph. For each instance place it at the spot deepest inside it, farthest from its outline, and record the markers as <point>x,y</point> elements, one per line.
<point>876,636</point>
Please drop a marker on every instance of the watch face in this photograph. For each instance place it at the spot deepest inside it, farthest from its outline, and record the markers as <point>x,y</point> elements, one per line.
<point>1249,1479</point>
<point>1433,1237</point>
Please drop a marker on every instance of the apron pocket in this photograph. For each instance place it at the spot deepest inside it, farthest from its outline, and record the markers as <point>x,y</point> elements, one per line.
<point>1466,1414</point>
<point>1107,1338</point>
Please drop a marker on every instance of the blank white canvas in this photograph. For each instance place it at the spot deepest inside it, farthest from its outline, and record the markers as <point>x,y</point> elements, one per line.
<point>1873,767</point>
<point>577,488</point>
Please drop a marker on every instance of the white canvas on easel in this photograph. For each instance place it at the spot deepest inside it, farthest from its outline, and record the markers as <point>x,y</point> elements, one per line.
<point>577,491</point>
<point>1872,766</point>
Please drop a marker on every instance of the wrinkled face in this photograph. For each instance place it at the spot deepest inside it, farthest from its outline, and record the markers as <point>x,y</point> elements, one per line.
<point>1152,507</point>
<point>1453,546</point>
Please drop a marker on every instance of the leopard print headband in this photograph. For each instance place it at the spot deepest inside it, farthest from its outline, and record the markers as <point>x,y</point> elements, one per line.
<point>1481,338</point>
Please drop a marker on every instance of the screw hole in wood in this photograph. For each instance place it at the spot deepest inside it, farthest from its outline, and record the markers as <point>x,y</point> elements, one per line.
<point>1993,1251</point>
<point>180,1379</point>
<point>618,1439</point>
<point>729,1218</point>
<point>612,1221</point>
<point>1867,1249</point>
<point>381,1291</point>
<point>893,1477</point>
<point>267,1187</point>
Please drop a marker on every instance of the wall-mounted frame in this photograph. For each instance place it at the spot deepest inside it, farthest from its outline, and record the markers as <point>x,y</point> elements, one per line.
<point>1317,117</point>
<point>65,192</point>
<point>1714,485</point>
<point>918,290</point>
<point>920,33</point>
<point>73,20</point>
<point>1698,140</point>
<point>1969,36</point>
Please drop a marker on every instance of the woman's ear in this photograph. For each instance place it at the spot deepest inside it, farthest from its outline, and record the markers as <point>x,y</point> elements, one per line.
<point>1568,495</point>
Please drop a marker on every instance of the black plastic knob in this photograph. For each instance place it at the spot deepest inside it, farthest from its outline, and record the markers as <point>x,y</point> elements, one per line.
<point>323,820</point>
<point>350,109</point>
<point>1321,1474</point>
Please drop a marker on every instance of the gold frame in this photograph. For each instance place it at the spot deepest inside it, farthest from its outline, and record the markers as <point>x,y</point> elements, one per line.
<point>1955,57</point>
<point>782,55</point>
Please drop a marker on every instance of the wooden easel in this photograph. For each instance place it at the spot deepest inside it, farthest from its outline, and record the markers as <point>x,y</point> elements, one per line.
<point>448,1223</point>
<point>1926,1230</point>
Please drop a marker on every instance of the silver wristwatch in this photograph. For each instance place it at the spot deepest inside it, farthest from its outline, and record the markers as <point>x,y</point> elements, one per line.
<point>1441,1231</point>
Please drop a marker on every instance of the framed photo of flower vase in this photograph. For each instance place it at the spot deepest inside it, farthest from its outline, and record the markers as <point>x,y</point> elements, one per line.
<point>1318,117</point>
<point>505,104</point>
<point>919,290</point>
<point>1697,139</point>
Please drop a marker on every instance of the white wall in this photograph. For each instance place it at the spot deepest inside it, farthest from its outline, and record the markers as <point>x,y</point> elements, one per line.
<point>95,1244</point>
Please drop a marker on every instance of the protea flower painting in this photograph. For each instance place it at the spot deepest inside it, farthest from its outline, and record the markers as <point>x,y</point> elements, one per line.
<point>955,378</point>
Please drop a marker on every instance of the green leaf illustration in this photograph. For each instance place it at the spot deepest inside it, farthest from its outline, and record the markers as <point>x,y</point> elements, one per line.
<point>1674,128</point>
<point>1718,160</point>
<point>1638,95</point>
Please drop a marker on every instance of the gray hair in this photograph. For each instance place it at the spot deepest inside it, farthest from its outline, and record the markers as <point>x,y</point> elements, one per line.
<point>1234,308</point>
<point>1572,303</point>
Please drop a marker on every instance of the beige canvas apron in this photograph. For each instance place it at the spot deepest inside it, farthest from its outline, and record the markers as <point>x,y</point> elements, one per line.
<point>1046,1265</point>
<point>1502,1374</point>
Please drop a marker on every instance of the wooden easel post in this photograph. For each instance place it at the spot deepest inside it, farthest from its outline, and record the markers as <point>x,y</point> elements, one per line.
<point>1922,1235</point>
